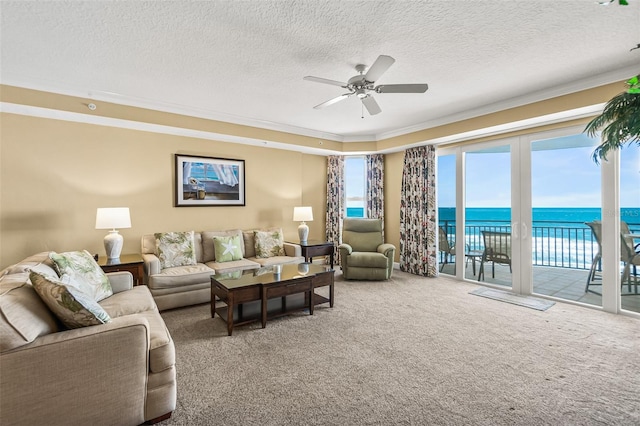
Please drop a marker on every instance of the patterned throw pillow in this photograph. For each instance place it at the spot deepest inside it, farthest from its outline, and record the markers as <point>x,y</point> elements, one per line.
<point>269,243</point>
<point>228,248</point>
<point>74,308</point>
<point>175,249</point>
<point>84,273</point>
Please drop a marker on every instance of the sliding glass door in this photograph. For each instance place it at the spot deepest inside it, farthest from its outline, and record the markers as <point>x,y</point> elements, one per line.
<point>446,181</point>
<point>565,188</point>
<point>487,208</point>
<point>536,214</point>
<point>630,227</point>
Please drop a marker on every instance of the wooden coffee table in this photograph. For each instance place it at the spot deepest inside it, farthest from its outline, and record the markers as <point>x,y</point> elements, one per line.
<point>259,294</point>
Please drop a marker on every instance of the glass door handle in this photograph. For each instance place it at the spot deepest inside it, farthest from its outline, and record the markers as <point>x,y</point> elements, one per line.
<point>514,230</point>
<point>525,229</point>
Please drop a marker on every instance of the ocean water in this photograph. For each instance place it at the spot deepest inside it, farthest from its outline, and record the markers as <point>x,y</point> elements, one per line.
<point>572,217</point>
<point>355,211</point>
<point>559,236</point>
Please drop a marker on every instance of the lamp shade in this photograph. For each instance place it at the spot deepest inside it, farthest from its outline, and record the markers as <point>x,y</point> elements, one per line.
<point>113,217</point>
<point>302,214</point>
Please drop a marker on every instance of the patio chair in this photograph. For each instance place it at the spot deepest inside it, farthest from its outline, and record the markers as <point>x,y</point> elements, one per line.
<point>596,231</point>
<point>446,248</point>
<point>628,256</point>
<point>497,249</point>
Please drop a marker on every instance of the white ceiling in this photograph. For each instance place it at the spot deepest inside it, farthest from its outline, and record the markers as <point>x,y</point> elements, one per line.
<point>243,61</point>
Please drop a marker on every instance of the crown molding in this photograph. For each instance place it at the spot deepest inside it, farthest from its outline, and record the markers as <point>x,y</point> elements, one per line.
<point>583,84</point>
<point>28,110</point>
<point>561,90</point>
<point>515,126</point>
<point>155,105</point>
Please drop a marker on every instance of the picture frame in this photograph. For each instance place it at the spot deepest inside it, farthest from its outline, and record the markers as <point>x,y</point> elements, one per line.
<point>208,181</point>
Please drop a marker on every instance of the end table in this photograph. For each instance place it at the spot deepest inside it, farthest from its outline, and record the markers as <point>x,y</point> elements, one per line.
<point>314,248</point>
<point>127,262</point>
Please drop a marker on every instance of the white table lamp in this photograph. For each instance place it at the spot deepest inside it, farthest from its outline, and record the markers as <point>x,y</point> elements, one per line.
<point>112,218</point>
<point>302,214</point>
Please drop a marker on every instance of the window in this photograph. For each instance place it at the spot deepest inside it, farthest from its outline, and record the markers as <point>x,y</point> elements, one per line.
<point>355,183</point>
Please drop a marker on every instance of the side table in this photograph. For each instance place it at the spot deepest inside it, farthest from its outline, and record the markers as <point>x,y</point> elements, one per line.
<point>127,262</point>
<point>313,248</point>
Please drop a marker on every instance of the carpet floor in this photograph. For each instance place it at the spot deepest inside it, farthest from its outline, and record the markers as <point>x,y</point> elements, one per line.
<point>409,351</point>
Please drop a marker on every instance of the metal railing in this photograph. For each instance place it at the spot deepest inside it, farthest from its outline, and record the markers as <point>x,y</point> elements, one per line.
<point>571,246</point>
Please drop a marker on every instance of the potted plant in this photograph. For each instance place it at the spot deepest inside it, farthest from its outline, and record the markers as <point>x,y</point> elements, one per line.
<point>619,121</point>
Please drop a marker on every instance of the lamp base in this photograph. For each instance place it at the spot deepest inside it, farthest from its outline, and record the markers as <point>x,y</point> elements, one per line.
<point>303,232</point>
<point>113,244</point>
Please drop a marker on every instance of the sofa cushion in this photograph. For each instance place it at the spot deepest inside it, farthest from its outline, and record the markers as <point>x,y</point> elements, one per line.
<point>129,302</point>
<point>249,244</point>
<point>269,243</point>
<point>228,248</point>
<point>84,273</point>
<point>208,249</point>
<point>181,276</point>
<point>74,308</point>
<point>41,262</point>
<point>175,249</point>
<point>234,265</point>
<point>23,314</point>
<point>367,260</point>
<point>277,260</point>
<point>162,353</point>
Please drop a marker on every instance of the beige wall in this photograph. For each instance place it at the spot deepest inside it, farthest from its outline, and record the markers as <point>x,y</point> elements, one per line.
<point>55,174</point>
<point>393,165</point>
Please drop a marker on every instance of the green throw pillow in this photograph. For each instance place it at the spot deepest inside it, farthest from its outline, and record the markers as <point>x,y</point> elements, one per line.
<point>269,243</point>
<point>83,273</point>
<point>74,308</point>
<point>175,249</point>
<point>228,248</point>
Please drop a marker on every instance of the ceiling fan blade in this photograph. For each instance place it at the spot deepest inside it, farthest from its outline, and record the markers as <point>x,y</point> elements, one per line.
<point>379,67</point>
<point>371,105</point>
<point>325,81</point>
<point>402,88</point>
<point>332,101</point>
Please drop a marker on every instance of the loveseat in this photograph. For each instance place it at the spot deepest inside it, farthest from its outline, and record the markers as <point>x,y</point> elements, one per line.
<point>185,278</point>
<point>121,372</point>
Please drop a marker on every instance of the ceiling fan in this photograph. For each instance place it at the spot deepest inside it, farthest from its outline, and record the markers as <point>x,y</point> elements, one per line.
<point>362,85</point>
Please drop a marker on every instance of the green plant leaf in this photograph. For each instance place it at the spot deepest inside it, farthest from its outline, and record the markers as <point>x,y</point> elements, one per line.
<point>623,2</point>
<point>619,124</point>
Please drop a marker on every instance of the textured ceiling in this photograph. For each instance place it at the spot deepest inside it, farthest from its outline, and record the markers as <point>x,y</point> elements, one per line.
<point>243,61</point>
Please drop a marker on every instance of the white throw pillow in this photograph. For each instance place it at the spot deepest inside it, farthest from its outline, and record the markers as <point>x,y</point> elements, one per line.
<point>83,272</point>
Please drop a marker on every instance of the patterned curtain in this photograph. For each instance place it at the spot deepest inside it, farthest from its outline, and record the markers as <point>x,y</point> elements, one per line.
<point>335,201</point>
<point>375,187</point>
<point>418,212</point>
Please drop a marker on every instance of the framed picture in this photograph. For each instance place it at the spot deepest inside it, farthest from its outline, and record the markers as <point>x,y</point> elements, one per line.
<point>209,181</point>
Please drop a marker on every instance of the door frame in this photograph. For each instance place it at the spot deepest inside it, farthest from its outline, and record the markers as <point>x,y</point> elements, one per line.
<point>521,213</point>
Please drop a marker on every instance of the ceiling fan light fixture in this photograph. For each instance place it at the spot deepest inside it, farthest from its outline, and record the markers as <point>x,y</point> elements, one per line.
<point>362,85</point>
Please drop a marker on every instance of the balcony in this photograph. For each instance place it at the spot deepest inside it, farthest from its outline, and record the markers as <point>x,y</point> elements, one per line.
<point>561,258</point>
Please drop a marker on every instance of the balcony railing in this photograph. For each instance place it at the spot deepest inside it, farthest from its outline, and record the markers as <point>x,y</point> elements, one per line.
<point>571,246</point>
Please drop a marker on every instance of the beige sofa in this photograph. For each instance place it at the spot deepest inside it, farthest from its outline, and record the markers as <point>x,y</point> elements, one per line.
<point>121,372</point>
<point>188,285</point>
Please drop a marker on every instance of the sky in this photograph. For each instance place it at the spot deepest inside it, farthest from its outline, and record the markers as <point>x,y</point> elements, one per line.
<point>566,177</point>
<point>354,178</point>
